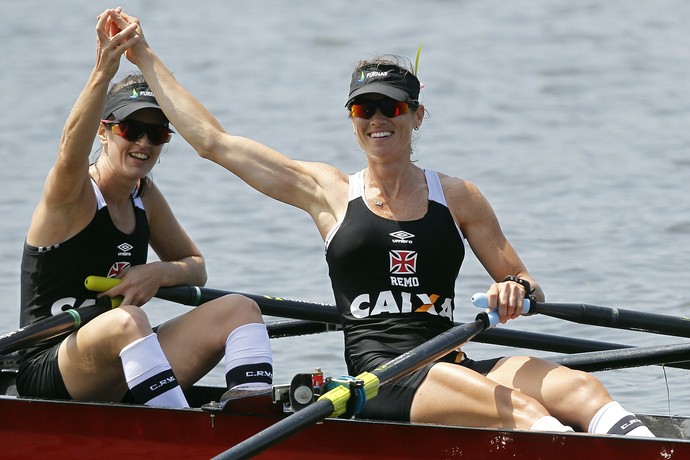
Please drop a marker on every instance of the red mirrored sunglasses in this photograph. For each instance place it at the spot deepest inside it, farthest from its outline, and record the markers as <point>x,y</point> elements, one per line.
<point>133,130</point>
<point>366,108</point>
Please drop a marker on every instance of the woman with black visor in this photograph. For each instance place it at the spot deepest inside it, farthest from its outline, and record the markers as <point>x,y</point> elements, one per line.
<point>394,235</point>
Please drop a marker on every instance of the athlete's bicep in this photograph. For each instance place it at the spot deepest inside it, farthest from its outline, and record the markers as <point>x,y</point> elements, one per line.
<point>167,238</point>
<point>481,228</point>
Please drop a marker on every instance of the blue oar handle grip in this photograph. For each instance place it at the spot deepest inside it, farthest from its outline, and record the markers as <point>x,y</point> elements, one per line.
<point>482,301</point>
<point>489,317</point>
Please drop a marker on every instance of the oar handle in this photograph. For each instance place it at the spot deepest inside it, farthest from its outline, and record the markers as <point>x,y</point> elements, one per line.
<point>102,284</point>
<point>481,300</point>
<point>493,317</point>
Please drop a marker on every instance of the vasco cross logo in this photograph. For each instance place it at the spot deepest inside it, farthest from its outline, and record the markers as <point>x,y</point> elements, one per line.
<point>403,262</point>
<point>116,268</point>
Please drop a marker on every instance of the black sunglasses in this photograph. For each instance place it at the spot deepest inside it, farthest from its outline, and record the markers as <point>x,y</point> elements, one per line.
<point>366,108</point>
<point>134,130</point>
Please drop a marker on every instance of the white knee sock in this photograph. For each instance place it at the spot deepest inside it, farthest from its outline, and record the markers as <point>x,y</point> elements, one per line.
<point>248,357</point>
<point>613,419</point>
<point>549,423</point>
<point>149,376</point>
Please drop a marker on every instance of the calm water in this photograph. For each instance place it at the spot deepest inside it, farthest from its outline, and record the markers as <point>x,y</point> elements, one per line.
<point>572,117</point>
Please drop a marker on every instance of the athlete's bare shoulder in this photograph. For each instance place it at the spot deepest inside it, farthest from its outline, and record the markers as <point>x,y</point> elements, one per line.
<point>457,188</point>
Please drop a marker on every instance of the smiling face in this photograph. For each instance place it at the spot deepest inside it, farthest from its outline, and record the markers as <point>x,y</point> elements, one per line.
<point>133,159</point>
<point>381,135</point>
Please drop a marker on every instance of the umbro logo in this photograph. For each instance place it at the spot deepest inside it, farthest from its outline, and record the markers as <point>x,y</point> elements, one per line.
<point>402,237</point>
<point>125,249</point>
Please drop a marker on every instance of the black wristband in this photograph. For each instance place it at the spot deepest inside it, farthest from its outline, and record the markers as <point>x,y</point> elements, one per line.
<point>524,283</point>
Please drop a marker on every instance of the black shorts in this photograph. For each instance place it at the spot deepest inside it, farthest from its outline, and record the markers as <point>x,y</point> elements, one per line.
<point>39,376</point>
<point>394,400</point>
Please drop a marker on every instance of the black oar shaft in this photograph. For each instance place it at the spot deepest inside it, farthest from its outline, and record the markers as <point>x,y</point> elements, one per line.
<point>291,328</point>
<point>672,355</point>
<point>299,309</point>
<point>604,316</point>
<point>429,351</point>
<point>50,327</point>
<point>545,342</point>
<point>617,318</point>
<point>273,306</point>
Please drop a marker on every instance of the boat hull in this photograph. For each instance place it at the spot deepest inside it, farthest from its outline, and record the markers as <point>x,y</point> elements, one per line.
<point>30,428</point>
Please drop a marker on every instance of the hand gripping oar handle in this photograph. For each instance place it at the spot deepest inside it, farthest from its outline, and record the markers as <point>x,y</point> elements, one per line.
<point>102,284</point>
<point>481,300</point>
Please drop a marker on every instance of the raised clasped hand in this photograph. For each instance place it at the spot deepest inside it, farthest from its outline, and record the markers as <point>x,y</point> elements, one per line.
<point>119,32</point>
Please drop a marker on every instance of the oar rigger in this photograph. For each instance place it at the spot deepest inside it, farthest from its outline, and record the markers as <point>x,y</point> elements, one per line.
<point>347,394</point>
<point>304,389</point>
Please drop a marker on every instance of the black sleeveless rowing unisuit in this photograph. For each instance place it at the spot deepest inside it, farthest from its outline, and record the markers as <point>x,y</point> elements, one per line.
<point>52,278</point>
<point>394,286</point>
<point>394,281</point>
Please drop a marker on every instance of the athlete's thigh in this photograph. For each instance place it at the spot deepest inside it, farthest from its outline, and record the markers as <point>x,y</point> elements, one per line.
<point>89,360</point>
<point>193,342</point>
<point>455,395</point>
<point>558,388</point>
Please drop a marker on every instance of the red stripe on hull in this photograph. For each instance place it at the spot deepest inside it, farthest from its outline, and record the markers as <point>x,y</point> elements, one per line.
<point>33,429</point>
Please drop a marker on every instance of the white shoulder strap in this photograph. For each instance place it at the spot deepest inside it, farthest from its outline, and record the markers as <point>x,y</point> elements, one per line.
<point>435,190</point>
<point>101,201</point>
<point>99,196</point>
<point>356,188</point>
<point>436,194</point>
